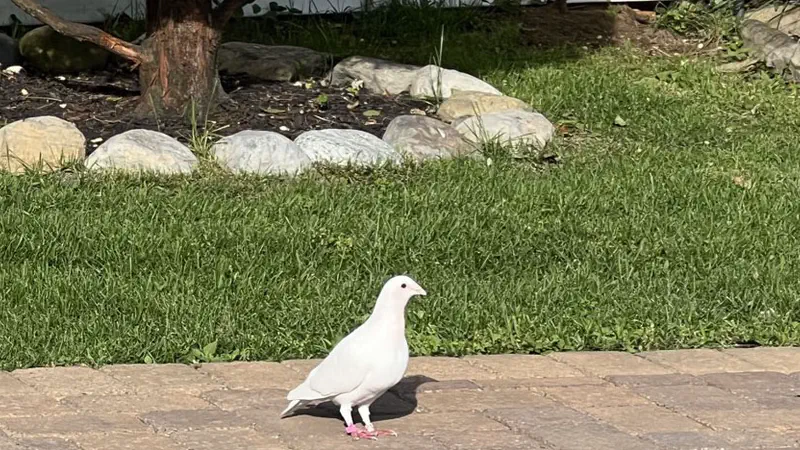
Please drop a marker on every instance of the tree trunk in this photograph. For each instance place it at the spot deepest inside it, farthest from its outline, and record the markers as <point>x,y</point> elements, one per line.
<point>562,6</point>
<point>177,60</point>
<point>178,75</point>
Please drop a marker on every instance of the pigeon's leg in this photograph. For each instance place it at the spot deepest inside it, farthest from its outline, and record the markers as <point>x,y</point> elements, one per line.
<point>363,411</point>
<point>347,412</point>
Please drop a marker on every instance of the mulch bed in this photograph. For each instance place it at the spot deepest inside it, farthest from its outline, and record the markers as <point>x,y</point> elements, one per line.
<point>102,105</point>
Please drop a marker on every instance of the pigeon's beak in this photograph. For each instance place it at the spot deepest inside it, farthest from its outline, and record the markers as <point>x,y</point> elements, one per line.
<point>421,292</point>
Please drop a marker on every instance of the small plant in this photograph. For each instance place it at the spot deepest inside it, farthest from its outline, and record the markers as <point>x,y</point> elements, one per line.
<point>712,23</point>
<point>202,138</point>
<point>437,61</point>
<point>208,353</point>
<point>322,102</point>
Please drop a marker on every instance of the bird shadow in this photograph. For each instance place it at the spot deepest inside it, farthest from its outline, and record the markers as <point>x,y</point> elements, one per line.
<point>399,401</point>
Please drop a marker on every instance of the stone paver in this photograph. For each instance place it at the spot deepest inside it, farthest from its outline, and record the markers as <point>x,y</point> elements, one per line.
<point>64,381</point>
<point>31,405</point>
<point>524,366</point>
<point>126,441</point>
<point>253,375</point>
<point>777,359</point>
<point>700,362</point>
<point>149,378</point>
<point>228,440</point>
<point>738,399</point>
<point>442,369</point>
<point>611,363</point>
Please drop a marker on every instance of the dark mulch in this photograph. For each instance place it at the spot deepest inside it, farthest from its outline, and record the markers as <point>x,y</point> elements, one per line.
<point>102,105</point>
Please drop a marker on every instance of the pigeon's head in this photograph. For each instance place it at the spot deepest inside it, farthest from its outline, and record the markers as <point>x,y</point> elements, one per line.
<point>403,287</point>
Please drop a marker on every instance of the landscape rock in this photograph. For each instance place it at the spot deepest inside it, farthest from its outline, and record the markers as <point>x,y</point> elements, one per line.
<point>379,76</point>
<point>343,147</point>
<point>514,127</point>
<point>45,142</point>
<point>9,51</point>
<point>778,16</point>
<point>270,62</point>
<point>777,49</point>
<point>424,138</point>
<point>142,151</point>
<point>434,82</point>
<point>468,103</point>
<point>52,52</point>
<point>260,152</point>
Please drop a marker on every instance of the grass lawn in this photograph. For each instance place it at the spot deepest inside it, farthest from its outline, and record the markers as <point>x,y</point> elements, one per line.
<point>679,229</point>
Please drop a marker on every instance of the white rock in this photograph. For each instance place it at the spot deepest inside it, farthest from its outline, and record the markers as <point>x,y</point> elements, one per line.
<point>260,152</point>
<point>45,142</point>
<point>142,151</point>
<point>343,147</point>
<point>513,127</point>
<point>378,75</point>
<point>434,82</point>
<point>424,138</point>
<point>13,70</point>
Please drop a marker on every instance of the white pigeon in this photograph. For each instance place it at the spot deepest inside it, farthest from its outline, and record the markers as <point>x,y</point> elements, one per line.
<point>366,363</point>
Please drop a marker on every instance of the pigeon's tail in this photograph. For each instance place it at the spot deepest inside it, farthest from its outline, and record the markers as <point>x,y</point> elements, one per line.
<point>292,405</point>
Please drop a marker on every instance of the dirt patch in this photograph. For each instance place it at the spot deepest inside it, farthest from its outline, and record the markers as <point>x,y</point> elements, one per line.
<point>101,105</point>
<point>597,26</point>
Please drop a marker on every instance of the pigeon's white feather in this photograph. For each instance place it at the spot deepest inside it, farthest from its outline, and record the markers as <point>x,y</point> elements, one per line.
<point>367,362</point>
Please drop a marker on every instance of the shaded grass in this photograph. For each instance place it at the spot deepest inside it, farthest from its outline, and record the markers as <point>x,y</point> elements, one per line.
<point>677,230</point>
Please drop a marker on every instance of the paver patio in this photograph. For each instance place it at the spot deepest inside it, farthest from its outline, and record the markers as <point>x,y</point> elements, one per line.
<point>693,399</point>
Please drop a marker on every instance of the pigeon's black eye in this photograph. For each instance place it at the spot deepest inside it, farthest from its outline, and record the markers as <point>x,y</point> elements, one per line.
<point>403,285</point>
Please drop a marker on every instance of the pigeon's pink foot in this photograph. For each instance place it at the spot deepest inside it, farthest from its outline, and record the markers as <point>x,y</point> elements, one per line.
<point>358,433</point>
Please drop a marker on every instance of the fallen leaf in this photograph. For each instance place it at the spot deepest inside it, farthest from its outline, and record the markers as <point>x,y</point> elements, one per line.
<point>743,182</point>
<point>371,113</point>
<point>620,122</point>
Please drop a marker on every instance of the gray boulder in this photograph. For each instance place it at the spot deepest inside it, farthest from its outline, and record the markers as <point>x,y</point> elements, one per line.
<point>379,76</point>
<point>270,62</point>
<point>514,127</point>
<point>260,152</point>
<point>423,138</point>
<point>137,151</point>
<point>343,147</point>
<point>434,82</point>
<point>52,52</point>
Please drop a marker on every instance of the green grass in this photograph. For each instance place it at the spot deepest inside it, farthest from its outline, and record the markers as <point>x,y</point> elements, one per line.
<point>677,230</point>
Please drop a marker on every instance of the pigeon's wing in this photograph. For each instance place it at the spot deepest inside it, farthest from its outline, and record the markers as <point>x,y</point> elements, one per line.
<point>343,370</point>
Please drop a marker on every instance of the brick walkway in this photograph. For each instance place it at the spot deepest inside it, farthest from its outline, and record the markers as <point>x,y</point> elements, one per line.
<point>732,399</point>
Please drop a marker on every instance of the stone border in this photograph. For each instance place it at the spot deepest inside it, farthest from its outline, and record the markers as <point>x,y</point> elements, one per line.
<point>472,113</point>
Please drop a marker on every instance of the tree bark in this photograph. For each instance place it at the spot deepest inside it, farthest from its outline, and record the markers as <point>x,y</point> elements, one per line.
<point>179,74</point>
<point>178,58</point>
